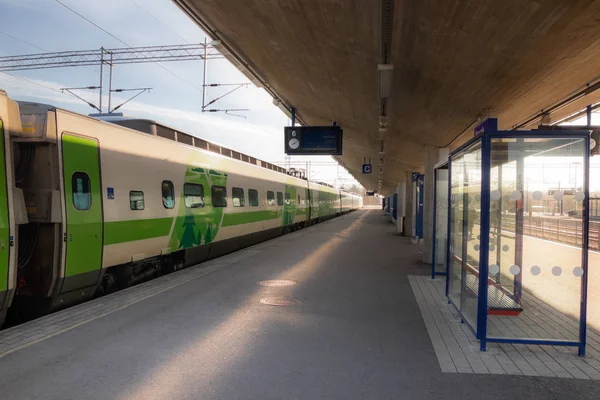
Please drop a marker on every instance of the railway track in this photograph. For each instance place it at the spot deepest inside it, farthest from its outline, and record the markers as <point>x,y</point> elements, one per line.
<point>562,230</point>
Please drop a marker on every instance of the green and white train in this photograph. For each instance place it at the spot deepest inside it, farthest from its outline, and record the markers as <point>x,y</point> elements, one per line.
<point>90,206</point>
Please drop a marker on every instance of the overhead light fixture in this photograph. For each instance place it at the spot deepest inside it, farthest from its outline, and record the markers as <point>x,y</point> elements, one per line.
<point>382,132</point>
<point>385,79</point>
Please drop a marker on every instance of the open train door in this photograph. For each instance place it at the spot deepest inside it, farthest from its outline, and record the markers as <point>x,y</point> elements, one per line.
<point>83,205</point>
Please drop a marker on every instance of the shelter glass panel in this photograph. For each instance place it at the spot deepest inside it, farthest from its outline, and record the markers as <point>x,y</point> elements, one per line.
<point>465,231</point>
<point>535,257</point>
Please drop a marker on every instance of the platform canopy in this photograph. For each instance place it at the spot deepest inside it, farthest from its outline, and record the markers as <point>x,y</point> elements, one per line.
<point>448,63</point>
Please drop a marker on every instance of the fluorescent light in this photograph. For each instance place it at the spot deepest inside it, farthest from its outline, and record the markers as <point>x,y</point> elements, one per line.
<point>382,132</point>
<point>385,79</point>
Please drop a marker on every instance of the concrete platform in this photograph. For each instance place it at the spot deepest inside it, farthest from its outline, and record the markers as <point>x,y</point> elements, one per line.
<point>457,349</point>
<point>354,332</point>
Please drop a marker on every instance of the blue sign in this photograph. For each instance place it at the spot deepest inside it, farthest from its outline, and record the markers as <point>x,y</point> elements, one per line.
<point>489,125</point>
<point>307,140</point>
<point>367,168</point>
<point>319,139</point>
<point>110,193</point>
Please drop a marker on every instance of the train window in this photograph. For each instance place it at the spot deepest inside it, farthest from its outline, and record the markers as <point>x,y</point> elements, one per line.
<point>219,196</point>
<point>237,197</point>
<point>279,198</point>
<point>136,200</point>
<point>193,195</point>
<point>80,186</point>
<point>253,197</point>
<point>288,199</point>
<point>168,194</point>
<point>270,198</point>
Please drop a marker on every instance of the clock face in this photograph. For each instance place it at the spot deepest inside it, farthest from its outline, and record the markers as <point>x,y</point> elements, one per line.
<point>294,143</point>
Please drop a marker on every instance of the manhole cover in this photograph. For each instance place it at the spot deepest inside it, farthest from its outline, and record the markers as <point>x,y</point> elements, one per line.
<point>277,283</point>
<point>280,301</point>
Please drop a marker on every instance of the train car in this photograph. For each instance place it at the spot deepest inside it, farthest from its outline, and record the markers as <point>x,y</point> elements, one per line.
<point>104,206</point>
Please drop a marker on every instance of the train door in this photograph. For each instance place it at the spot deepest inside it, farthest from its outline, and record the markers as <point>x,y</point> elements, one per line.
<point>308,205</point>
<point>83,204</point>
<point>5,239</point>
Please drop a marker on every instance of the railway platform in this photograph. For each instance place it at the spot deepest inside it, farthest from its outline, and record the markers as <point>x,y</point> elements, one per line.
<point>340,310</point>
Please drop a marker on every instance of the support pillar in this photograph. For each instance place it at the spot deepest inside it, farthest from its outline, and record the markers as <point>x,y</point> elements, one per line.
<point>401,191</point>
<point>409,206</point>
<point>431,159</point>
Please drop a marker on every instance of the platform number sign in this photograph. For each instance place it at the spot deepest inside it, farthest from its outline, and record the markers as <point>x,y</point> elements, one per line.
<point>294,142</point>
<point>313,140</point>
<point>367,168</point>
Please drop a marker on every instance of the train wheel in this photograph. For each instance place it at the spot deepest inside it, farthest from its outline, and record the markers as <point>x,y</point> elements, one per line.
<point>109,283</point>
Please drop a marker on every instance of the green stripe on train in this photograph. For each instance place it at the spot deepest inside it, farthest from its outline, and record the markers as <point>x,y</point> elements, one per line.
<point>241,218</point>
<point>139,229</point>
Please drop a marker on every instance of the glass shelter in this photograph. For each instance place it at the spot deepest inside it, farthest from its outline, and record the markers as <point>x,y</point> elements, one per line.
<point>509,285</point>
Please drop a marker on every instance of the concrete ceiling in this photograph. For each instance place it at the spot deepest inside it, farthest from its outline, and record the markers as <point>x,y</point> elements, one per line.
<point>453,60</point>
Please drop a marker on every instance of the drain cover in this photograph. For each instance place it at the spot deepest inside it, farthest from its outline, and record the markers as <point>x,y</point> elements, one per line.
<point>280,301</point>
<point>277,283</point>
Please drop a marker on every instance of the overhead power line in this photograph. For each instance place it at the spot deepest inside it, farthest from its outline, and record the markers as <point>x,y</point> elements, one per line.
<point>121,41</point>
<point>129,55</point>
<point>91,22</point>
<point>22,41</point>
<point>159,21</point>
<point>31,82</point>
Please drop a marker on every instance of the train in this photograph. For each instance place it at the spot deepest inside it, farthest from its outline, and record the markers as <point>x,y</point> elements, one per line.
<point>91,206</point>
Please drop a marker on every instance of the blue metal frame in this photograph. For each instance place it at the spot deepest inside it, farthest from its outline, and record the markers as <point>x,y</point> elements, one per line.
<point>448,235</point>
<point>584,253</point>
<point>484,243</point>
<point>547,342</point>
<point>482,305</point>
<point>434,241</point>
<point>293,117</point>
<point>420,185</point>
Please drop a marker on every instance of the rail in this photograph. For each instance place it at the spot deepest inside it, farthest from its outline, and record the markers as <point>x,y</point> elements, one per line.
<point>562,230</point>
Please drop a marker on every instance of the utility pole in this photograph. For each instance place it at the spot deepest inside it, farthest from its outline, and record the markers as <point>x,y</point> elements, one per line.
<point>204,76</point>
<point>101,74</point>
<point>110,90</point>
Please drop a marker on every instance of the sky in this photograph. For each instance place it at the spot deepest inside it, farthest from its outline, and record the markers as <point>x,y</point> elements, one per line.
<point>37,26</point>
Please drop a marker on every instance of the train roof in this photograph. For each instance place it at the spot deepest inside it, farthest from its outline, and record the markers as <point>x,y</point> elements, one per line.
<point>156,128</point>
